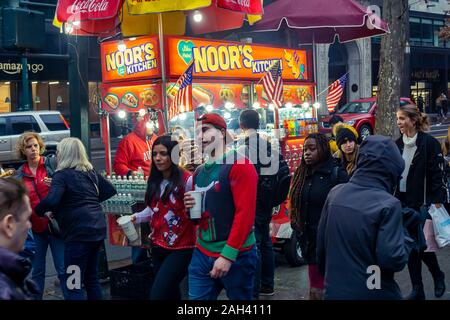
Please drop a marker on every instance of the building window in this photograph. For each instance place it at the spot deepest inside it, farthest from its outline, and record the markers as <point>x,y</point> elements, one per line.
<point>415,31</point>
<point>425,32</point>
<point>437,25</point>
<point>5,97</point>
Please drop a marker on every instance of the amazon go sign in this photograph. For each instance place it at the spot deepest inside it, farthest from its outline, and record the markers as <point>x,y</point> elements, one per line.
<point>16,68</point>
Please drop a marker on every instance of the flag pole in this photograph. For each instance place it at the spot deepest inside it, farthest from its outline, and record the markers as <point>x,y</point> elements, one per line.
<point>163,74</point>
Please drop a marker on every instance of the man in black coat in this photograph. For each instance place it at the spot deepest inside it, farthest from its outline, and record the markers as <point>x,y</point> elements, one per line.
<point>268,162</point>
<point>361,241</point>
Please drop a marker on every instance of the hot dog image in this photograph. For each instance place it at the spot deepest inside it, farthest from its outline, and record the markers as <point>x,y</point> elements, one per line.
<point>130,100</point>
<point>202,96</point>
<point>112,100</point>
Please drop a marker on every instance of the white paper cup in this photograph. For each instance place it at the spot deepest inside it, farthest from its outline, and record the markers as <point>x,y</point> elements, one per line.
<point>128,228</point>
<point>196,211</point>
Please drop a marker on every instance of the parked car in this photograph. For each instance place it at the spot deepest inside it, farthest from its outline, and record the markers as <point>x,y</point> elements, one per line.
<point>51,125</point>
<point>360,114</point>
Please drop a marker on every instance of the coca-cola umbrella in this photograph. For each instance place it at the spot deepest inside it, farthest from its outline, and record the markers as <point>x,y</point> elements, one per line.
<point>134,18</point>
<point>322,21</point>
<point>137,17</point>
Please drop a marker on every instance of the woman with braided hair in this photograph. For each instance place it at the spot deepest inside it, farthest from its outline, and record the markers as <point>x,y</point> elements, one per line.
<point>314,178</point>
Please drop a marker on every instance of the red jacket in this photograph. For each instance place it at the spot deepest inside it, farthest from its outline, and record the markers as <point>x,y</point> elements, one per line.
<point>134,151</point>
<point>37,191</point>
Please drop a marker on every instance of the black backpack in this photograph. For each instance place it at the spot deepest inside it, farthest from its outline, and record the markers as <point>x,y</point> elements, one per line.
<point>282,183</point>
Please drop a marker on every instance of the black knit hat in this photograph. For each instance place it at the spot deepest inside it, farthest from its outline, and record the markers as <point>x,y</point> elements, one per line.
<point>343,135</point>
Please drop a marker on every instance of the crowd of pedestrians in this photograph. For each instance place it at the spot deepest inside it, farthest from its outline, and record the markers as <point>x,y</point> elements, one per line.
<point>353,206</point>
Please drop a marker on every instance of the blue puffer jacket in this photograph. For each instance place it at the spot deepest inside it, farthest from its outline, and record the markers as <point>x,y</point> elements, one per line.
<point>14,270</point>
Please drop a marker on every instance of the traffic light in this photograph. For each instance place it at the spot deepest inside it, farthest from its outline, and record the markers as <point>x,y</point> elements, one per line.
<point>22,28</point>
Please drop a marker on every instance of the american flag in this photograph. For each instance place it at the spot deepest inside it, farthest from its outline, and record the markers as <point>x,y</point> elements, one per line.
<point>182,102</point>
<point>273,84</point>
<point>335,92</point>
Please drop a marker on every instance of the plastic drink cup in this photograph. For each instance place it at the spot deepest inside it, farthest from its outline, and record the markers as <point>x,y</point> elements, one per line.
<point>195,212</point>
<point>128,228</point>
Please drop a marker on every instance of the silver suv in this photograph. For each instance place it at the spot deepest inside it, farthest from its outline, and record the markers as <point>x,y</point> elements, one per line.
<point>50,125</point>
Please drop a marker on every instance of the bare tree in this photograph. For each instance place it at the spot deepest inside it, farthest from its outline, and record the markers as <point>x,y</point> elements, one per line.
<point>392,56</point>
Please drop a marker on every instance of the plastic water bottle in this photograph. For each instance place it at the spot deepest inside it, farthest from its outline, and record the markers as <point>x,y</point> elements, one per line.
<point>140,172</point>
<point>122,203</point>
<point>142,187</point>
<point>129,203</point>
<point>124,184</point>
<point>133,185</point>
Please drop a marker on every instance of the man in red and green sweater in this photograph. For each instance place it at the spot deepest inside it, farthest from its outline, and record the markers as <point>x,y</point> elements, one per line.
<point>225,254</point>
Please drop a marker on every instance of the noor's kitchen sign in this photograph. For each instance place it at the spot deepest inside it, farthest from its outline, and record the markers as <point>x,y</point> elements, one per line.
<point>214,59</point>
<point>132,60</point>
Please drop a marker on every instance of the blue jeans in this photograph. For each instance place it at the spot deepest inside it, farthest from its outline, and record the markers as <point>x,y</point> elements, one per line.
<point>29,248</point>
<point>238,282</point>
<point>265,269</point>
<point>41,241</point>
<point>85,255</point>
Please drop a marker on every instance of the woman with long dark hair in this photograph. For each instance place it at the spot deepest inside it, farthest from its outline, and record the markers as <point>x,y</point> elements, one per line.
<point>172,232</point>
<point>422,182</point>
<point>314,178</point>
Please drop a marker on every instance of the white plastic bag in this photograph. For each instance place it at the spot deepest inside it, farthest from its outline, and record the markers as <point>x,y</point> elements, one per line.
<point>441,224</point>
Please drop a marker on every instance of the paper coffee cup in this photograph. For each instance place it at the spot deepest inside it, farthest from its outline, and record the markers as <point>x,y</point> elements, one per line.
<point>196,211</point>
<point>128,228</point>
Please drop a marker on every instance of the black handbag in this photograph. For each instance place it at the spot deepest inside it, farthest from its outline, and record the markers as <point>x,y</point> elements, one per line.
<point>53,226</point>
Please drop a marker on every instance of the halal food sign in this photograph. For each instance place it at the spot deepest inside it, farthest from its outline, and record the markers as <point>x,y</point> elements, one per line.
<point>133,59</point>
<point>234,60</point>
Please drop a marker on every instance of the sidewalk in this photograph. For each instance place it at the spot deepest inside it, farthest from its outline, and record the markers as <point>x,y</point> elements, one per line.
<point>53,291</point>
<point>434,119</point>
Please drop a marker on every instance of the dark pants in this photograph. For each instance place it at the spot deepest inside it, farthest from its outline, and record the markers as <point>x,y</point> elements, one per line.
<point>265,269</point>
<point>84,255</point>
<point>170,267</point>
<point>139,255</point>
<point>415,266</point>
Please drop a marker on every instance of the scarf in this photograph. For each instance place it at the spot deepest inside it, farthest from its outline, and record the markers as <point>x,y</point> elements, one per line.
<point>408,154</point>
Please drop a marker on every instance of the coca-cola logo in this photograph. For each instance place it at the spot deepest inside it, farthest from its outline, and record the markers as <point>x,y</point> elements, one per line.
<point>89,6</point>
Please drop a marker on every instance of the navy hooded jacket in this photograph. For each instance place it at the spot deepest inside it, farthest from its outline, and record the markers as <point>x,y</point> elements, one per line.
<point>361,228</point>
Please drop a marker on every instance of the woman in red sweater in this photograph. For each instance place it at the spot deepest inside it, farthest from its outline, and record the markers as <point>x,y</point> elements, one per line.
<point>173,234</point>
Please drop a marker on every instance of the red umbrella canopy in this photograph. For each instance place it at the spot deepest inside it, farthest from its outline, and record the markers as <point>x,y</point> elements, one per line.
<point>321,21</point>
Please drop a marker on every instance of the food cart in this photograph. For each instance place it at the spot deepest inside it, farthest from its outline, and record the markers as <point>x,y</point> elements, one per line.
<point>226,80</point>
